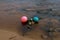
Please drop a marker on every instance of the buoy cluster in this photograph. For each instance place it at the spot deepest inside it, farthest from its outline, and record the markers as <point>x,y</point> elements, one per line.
<point>34,19</point>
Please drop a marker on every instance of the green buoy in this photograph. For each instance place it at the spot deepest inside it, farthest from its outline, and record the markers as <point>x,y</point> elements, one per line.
<point>35,19</point>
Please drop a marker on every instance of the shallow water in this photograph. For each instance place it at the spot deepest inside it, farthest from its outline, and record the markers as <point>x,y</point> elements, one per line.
<point>19,5</point>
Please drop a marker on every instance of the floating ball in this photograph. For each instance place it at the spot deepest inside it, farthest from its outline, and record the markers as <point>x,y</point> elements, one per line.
<point>24,19</point>
<point>35,19</point>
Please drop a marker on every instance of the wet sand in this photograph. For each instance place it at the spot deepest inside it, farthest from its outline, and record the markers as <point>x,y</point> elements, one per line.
<point>12,10</point>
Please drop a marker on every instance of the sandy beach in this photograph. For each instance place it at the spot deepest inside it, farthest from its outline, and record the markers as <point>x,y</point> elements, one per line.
<point>12,10</point>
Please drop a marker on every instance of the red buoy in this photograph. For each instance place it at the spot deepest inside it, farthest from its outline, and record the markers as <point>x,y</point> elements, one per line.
<point>24,19</point>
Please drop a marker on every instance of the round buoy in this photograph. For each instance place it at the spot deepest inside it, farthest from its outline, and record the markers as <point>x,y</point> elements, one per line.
<point>24,19</point>
<point>35,19</point>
